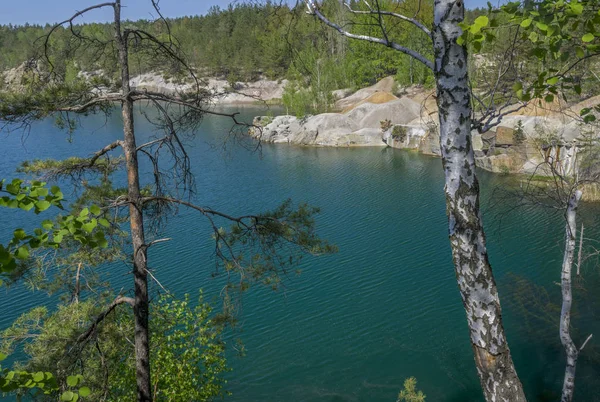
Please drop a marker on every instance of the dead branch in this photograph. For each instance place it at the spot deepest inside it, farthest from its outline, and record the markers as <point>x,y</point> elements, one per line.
<point>391,14</point>
<point>314,10</point>
<point>92,329</point>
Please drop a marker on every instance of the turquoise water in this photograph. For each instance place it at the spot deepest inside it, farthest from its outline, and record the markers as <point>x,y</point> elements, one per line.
<point>355,324</point>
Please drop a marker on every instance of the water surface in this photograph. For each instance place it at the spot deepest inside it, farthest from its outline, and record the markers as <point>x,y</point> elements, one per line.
<point>355,324</point>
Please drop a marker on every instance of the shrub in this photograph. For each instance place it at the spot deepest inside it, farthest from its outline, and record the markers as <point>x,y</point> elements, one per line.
<point>385,125</point>
<point>519,134</point>
<point>399,133</point>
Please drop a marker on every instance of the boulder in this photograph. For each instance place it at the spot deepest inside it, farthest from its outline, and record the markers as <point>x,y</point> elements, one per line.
<point>377,98</point>
<point>326,128</point>
<point>476,142</point>
<point>504,136</point>
<point>401,111</point>
<point>511,160</point>
<point>362,137</point>
<point>385,85</point>
<point>282,129</point>
<point>430,145</point>
<point>423,138</point>
<point>488,138</point>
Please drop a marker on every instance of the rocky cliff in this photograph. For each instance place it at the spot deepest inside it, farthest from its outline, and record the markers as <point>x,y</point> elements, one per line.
<point>521,143</point>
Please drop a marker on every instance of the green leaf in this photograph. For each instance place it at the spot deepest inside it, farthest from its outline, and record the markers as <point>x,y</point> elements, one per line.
<point>533,36</point>
<point>552,81</point>
<point>541,26</point>
<point>580,52</point>
<point>576,8</point>
<point>19,234</point>
<point>526,23</point>
<point>11,265</point>
<point>47,224</point>
<point>90,226</point>
<point>2,356</point>
<point>67,396</point>
<point>26,205</point>
<point>95,209</point>
<point>72,380</point>
<point>84,212</point>
<point>38,377</point>
<point>549,98</point>
<point>539,52</point>
<point>22,253</point>
<point>517,86</point>
<point>84,391</point>
<point>588,37</point>
<point>42,205</point>
<point>101,241</point>
<point>104,222</point>
<point>482,21</point>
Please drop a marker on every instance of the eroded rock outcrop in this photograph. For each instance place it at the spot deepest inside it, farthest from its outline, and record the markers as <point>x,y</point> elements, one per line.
<point>375,117</point>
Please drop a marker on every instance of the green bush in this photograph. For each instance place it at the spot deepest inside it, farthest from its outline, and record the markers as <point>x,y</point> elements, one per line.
<point>519,134</point>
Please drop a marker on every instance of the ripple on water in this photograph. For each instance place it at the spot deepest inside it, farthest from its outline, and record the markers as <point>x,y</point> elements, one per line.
<point>356,323</point>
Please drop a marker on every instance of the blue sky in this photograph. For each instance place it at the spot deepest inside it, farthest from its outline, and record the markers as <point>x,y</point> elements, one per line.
<point>18,12</point>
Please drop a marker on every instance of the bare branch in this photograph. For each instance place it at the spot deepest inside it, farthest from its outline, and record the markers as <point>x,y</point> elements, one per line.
<point>70,22</point>
<point>586,341</point>
<point>105,150</point>
<point>314,9</point>
<point>392,14</point>
<point>90,331</point>
<point>494,117</point>
<point>579,254</point>
<point>86,106</point>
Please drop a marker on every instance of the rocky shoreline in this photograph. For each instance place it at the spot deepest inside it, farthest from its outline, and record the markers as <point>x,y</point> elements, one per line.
<point>522,143</point>
<point>221,91</point>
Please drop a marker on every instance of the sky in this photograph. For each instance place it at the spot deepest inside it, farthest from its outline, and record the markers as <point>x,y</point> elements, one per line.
<point>18,12</point>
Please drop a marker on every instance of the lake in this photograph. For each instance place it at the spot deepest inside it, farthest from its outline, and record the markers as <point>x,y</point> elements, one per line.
<point>353,325</point>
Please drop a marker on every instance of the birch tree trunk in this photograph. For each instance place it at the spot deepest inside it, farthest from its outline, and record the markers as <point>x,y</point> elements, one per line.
<point>136,220</point>
<point>474,275</point>
<point>567,299</point>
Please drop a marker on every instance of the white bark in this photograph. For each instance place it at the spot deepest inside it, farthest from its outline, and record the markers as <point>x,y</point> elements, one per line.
<point>474,274</point>
<point>567,299</point>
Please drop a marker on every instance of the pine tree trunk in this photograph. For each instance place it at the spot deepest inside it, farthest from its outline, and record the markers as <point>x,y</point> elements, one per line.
<point>474,275</point>
<point>136,219</point>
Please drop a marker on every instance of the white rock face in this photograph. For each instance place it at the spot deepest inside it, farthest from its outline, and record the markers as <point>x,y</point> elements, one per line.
<point>360,126</point>
<point>328,129</point>
<point>385,85</point>
<point>401,111</point>
<point>251,92</point>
